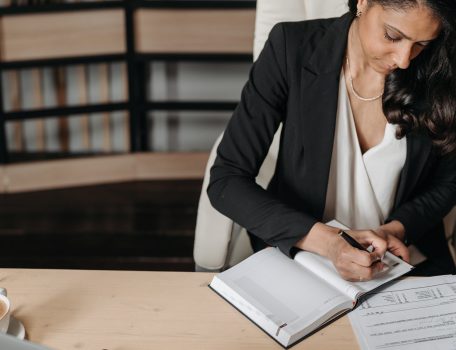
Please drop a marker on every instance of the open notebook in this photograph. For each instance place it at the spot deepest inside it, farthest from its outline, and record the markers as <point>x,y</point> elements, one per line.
<point>291,298</point>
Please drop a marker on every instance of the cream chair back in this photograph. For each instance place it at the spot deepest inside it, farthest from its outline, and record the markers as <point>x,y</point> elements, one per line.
<point>270,12</point>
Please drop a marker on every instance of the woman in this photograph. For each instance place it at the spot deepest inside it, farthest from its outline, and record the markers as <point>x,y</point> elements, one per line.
<point>368,105</point>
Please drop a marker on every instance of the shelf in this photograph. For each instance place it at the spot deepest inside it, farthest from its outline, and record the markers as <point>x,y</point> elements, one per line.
<point>67,34</point>
<point>53,174</point>
<point>194,31</point>
<point>132,32</point>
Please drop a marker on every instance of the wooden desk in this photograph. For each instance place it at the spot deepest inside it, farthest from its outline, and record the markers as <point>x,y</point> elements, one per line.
<point>120,310</point>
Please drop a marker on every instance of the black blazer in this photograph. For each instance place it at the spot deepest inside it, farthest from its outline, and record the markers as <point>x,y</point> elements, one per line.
<point>295,81</point>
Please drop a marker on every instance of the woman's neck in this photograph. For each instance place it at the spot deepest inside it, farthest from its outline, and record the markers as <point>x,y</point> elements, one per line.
<point>367,80</point>
<point>359,62</point>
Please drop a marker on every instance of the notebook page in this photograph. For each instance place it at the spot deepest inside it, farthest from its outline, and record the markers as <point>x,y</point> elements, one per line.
<point>276,292</point>
<point>324,268</point>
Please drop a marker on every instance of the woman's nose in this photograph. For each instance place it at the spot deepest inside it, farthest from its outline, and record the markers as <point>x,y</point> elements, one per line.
<point>403,56</point>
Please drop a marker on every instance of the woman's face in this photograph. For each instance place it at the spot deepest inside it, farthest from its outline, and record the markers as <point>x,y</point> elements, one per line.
<point>391,38</point>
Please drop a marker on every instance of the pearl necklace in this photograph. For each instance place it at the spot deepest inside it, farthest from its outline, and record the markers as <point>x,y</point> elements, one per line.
<point>365,99</point>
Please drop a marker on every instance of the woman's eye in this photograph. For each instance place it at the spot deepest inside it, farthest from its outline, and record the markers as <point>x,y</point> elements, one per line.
<point>389,38</point>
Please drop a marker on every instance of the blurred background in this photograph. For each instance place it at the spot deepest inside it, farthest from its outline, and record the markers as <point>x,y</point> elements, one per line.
<point>108,111</point>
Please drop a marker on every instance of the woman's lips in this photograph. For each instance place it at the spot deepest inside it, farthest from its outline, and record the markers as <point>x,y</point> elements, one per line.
<point>390,67</point>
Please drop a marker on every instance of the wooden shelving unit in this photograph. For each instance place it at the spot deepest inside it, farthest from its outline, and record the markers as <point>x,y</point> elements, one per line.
<point>134,32</point>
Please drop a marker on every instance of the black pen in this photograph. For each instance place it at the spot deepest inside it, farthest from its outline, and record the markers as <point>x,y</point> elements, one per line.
<point>352,241</point>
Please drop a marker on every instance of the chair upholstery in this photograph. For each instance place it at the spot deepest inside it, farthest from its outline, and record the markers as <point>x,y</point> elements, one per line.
<point>219,242</point>
<point>270,12</point>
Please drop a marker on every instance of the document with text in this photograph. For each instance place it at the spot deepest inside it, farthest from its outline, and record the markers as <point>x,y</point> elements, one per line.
<point>418,314</point>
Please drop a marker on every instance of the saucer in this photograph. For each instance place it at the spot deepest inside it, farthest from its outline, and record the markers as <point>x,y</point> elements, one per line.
<point>16,328</point>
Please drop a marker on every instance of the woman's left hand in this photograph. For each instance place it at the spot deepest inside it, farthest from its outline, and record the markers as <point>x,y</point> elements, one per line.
<point>395,245</point>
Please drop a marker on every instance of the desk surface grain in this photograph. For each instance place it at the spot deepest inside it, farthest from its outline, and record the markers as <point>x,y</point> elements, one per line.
<point>120,310</point>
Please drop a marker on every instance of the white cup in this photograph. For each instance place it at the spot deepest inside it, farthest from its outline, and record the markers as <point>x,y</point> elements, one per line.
<point>5,311</point>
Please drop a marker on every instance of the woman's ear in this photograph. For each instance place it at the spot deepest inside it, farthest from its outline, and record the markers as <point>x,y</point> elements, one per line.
<point>361,7</point>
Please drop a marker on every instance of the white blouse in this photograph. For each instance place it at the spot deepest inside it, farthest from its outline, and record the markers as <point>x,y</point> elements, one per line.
<point>362,187</point>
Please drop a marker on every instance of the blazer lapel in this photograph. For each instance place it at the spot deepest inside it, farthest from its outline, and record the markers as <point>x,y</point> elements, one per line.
<point>418,152</point>
<point>320,90</point>
<point>318,117</point>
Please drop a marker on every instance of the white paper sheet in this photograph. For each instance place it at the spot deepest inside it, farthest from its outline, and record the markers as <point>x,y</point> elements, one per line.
<point>418,314</point>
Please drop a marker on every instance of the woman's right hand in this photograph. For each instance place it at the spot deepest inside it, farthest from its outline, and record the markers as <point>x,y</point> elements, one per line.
<point>352,264</point>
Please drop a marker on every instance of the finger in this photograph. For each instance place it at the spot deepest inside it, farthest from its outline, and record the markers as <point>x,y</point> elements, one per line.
<point>361,257</point>
<point>357,273</point>
<point>399,249</point>
<point>371,238</point>
<point>354,255</point>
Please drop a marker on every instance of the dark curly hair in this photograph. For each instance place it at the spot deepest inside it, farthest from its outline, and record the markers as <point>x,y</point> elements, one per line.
<point>422,98</point>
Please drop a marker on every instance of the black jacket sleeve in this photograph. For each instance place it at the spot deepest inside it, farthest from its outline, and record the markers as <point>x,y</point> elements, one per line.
<point>232,189</point>
<point>425,210</point>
